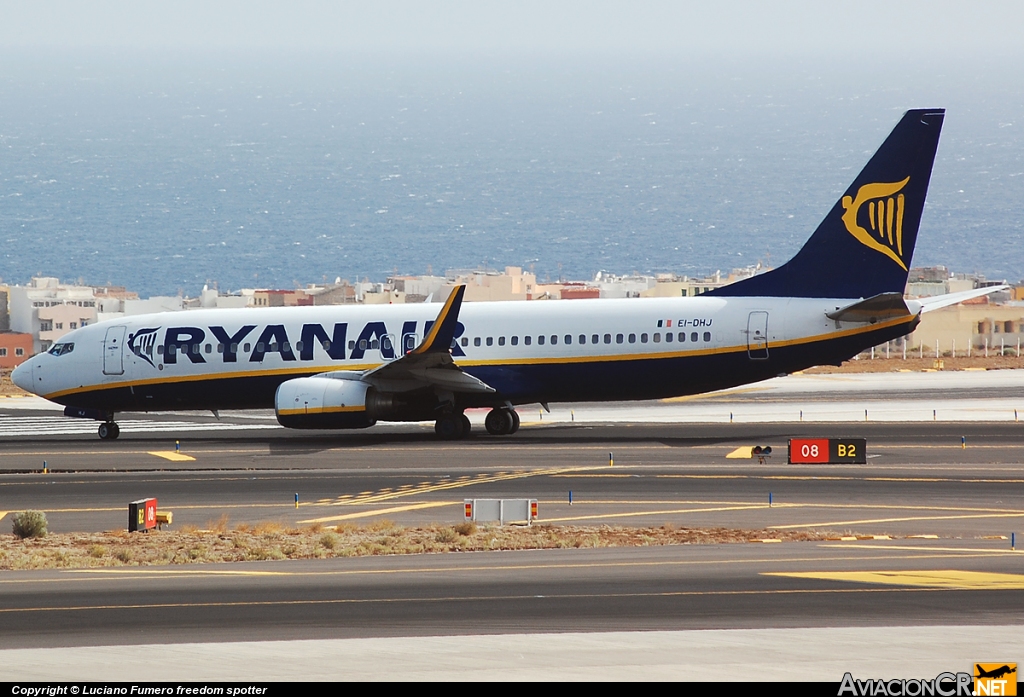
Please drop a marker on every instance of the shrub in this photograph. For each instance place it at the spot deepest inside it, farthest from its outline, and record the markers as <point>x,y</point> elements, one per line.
<point>466,529</point>
<point>29,524</point>
<point>446,535</point>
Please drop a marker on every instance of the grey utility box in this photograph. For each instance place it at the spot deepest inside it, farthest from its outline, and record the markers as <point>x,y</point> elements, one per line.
<point>501,510</point>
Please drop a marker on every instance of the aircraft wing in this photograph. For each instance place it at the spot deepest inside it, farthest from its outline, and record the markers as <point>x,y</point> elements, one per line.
<point>430,364</point>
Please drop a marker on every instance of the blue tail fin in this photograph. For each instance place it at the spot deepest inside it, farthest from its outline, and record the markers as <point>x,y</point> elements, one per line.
<point>864,245</point>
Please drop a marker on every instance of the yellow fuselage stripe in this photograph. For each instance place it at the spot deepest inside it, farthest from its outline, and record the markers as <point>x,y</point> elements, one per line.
<point>314,369</point>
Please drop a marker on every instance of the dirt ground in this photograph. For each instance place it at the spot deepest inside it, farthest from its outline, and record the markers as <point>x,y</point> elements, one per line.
<point>896,363</point>
<point>266,541</point>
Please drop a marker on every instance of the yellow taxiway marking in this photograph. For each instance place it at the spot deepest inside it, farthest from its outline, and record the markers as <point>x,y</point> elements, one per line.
<point>947,579</point>
<point>464,481</point>
<point>904,548</point>
<point>181,572</point>
<point>382,511</point>
<point>557,597</point>
<point>172,455</point>
<point>137,573</point>
<point>3,514</point>
<point>896,520</point>
<point>646,513</point>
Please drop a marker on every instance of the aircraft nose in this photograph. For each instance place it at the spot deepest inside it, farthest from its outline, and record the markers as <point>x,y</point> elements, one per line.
<point>22,376</point>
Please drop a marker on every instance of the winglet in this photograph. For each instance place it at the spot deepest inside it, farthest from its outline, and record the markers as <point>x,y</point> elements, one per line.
<point>439,339</point>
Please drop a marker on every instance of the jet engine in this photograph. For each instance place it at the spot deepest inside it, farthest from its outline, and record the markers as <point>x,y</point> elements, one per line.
<point>320,402</point>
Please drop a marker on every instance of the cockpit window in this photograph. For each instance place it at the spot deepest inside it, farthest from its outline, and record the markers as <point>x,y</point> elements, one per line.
<point>61,349</point>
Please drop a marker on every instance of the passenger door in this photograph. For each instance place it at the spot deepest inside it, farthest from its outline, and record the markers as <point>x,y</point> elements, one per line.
<point>113,358</point>
<point>757,336</point>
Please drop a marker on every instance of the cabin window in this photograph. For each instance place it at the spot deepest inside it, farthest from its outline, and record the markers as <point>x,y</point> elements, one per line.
<point>632,338</point>
<point>657,337</point>
<point>583,338</point>
<point>363,345</point>
<point>682,337</point>
<point>195,348</point>
<point>326,343</point>
<point>490,341</point>
<point>246,348</point>
<point>643,338</point>
<point>465,341</point>
<point>273,346</point>
<point>285,347</point>
<point>515,341</point>
<point>607,338</point>
<point>501,341</point>
<point>668,336</point>
<point>540,340</point>
<point>298,346</point>
<point>527,340</point>
<point>160,349</point>
<point>568,338</point>
<point>476,341</point>
<point>618,338</point>
<point>208,348</point>
<point>351,344</point>
<point>261,347</point>
<point>707,336</point>
<point>220,348</point>
<point>594,339</point>
<point>694,337</point>
<point>554,339</point>
<point>374,344</point>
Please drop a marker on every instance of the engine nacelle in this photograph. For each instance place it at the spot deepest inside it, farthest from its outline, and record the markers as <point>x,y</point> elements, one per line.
<point>323,403</point>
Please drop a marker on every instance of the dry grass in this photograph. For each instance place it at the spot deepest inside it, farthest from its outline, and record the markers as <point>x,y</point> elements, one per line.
<point>273,540</point>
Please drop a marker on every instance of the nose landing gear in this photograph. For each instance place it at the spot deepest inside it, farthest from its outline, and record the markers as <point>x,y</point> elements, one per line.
<point>109,430</point>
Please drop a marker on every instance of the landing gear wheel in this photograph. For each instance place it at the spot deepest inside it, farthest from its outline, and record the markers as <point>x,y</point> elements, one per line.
<point>109,430</point>
<point>450,426</point>
<point>515,421</point>
<point>466,426</point>
<point>499,422</point>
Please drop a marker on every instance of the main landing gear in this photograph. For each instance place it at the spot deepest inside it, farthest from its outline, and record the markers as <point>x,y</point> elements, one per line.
<point>452,426</point>
<point>501,422</point>
<point>109,430</point>
<point>455,425</point>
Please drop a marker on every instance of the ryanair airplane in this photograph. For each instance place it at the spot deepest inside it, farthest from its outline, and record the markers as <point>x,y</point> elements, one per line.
<point>349,367</point>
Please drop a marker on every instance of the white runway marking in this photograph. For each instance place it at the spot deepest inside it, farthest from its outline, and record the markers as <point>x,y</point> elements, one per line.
<point>21,426</point>
<point>821,654</point>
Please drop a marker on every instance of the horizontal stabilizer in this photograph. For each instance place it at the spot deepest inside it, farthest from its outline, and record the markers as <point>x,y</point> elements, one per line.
<point>875,309</point>
<point>940,301</point>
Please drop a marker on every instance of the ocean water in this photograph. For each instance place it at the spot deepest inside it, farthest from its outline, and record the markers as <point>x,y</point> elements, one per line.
<point>163,172</point>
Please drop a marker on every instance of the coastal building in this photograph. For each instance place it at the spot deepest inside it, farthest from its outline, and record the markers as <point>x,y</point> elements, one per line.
<point>48,309</point>
<point>15,347</point>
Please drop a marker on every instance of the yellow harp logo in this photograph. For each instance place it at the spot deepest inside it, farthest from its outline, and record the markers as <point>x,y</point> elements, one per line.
<point>883,218</point>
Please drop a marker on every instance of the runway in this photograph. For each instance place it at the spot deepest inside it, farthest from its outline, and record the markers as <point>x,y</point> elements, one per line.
<point>949,494</point>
